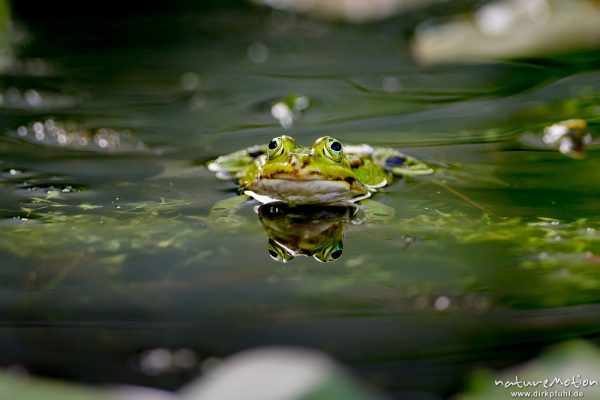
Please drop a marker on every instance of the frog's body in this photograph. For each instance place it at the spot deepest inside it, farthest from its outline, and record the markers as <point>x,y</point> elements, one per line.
<point>323,173</point>
<point>312,191</point>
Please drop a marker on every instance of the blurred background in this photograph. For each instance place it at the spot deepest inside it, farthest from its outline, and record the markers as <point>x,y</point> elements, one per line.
<point>111,271</point>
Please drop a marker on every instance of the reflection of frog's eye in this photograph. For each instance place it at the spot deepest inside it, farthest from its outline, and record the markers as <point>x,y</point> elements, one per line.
<point>279,253</point>
<point>330,253</point>
<point>275,147</point>
<point>333,149</point>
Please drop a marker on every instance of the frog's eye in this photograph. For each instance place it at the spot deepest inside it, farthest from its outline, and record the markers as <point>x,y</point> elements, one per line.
<point>330,253</point>
<point>275,147</point>
<point>333,149</point>
<point>278,252</point>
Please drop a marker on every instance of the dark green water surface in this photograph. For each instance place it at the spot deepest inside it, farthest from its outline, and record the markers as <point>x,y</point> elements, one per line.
<point>106,253</point>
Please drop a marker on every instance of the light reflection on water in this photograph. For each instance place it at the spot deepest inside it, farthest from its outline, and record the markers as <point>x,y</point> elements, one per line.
<point>114,248</point>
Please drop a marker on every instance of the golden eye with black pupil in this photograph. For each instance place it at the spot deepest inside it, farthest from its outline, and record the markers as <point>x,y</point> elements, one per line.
<point>333,149</point>
<point>275,148</point>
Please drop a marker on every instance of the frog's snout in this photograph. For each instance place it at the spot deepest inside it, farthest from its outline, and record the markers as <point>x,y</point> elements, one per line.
<point>299,161</point>
<point>294,161</point>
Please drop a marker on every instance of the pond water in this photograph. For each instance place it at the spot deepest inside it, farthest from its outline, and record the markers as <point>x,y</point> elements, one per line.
<point>107,250</point>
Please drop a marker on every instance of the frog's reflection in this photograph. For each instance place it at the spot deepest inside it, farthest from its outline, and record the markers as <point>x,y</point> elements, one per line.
<point>308,230</point>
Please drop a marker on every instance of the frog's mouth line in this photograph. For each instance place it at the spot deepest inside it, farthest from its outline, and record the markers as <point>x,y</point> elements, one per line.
<point>307,189</point>
<point>308,177</point>
<point>316,186</point>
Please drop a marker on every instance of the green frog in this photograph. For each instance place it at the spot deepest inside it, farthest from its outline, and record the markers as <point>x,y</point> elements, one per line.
<point>324,173</point>
<point>309,194</point>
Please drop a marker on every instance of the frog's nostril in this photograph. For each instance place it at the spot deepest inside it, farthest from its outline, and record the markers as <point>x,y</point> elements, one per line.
<point>395,161</point>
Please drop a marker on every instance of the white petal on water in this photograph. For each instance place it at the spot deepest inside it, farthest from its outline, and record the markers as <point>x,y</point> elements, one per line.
<point>266,374</point>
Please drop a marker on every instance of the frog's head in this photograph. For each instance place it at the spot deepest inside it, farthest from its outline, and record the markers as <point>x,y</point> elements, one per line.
<point>316,174</point>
